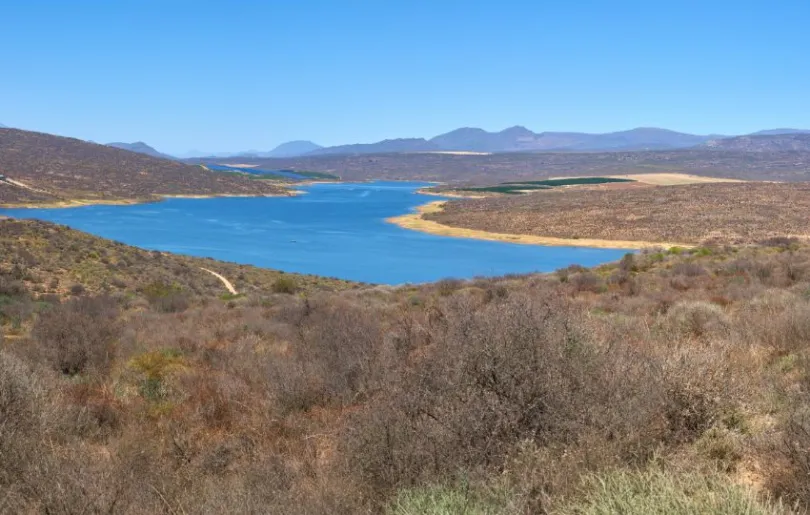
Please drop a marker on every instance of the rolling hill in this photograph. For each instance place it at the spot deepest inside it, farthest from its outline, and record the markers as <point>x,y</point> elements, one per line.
<point>42,167</point>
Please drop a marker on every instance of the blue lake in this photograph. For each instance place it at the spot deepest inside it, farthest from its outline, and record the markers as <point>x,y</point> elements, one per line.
<point>335,230</point>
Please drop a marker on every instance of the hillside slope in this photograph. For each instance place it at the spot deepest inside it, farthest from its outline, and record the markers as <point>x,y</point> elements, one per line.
<point>491,169</point>
<point>55,168</point>
<point>648,214</point>
<point>777,142</point>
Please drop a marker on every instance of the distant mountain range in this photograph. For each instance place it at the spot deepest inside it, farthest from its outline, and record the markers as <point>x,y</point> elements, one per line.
<point>513,139</point>
<point>779,132</point>
<point>3,126</point>
<point>141,148</point>
<point>765,141</point>
<point>521,139</point>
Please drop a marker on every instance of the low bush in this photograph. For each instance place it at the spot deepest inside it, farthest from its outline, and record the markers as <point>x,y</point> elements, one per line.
<point>668,493</point>
<point>285,284</point>
<point>79,335</point>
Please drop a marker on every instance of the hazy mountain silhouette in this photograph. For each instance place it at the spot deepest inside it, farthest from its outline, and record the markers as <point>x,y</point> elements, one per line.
<point>294,148</point>
<point>521,139</point>
<point>141,148</point>
<point>382,147</point>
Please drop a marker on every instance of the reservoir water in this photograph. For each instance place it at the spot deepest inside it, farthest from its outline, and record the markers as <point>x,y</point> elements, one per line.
<point>335,230</point>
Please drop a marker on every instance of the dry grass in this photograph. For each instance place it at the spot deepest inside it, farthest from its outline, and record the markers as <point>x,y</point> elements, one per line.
<point>693,214</point>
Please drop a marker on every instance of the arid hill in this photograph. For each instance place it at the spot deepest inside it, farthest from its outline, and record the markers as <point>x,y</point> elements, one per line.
<point>495,168</point>
<point>52,168</point>
<point>797,142</point>
<point>745,212</point>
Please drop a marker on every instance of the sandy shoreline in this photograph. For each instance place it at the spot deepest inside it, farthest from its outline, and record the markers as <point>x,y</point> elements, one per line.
<point>416,222</point>
<point>447,195</point>
<point>131,202</point>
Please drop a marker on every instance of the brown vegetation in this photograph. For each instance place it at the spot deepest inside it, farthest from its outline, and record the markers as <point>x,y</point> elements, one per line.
<point>720,212</point>
<point>68,169</point>
<point>513,395</point>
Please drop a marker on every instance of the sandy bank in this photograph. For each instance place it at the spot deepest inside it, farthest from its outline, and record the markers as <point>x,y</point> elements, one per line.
<point>130,202</point>
<point>670,179</point>
<point>416,222</point>
<point>448,195</point>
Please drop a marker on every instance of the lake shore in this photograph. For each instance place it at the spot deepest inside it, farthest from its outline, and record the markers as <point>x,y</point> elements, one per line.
<point>130,202</point>
<point>416,222</point>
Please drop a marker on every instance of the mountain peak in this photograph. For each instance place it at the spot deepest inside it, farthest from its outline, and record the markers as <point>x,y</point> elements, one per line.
<point>517,129</point>
<point>141,148</point>
<point>294,148</point>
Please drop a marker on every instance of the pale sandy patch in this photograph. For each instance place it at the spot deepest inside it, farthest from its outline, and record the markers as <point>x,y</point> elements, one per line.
<point>448,195</point>
<point>129,202</point>
<point>416,222</point>
<point>671,179</point>
<point>228,285</point>
<point>240,165</point>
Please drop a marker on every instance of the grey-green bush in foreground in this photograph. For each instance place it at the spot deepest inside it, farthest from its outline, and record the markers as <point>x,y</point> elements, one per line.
<point>656,492</point>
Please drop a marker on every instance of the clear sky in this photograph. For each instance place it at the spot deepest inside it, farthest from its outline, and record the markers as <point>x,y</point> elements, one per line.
<point>237,75</point>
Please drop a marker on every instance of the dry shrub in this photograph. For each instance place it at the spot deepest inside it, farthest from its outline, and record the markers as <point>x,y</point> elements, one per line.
<point>777,319</point>
<point>792,481</point>
<point>695,319</point>
<point>79,335</point>
<point>21,400</point>
<point>587,281</point>
<point>447,287</point>
<point>689,270</point>
<point>521,369</point>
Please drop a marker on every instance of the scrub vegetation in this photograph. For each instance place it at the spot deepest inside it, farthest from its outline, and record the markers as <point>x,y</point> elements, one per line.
<point>732,212</point>
<point>675,381</point>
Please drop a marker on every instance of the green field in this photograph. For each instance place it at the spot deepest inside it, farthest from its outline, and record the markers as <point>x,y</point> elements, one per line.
<point>518,188</point>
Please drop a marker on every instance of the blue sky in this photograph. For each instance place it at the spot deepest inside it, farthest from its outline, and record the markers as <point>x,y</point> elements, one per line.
<point>237,75</point>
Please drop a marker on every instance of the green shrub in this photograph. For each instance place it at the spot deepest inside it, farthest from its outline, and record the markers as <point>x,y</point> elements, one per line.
<point>285,284</point>
<point>166,298</point>
<point>657,492</point>
<point>440,501</point>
